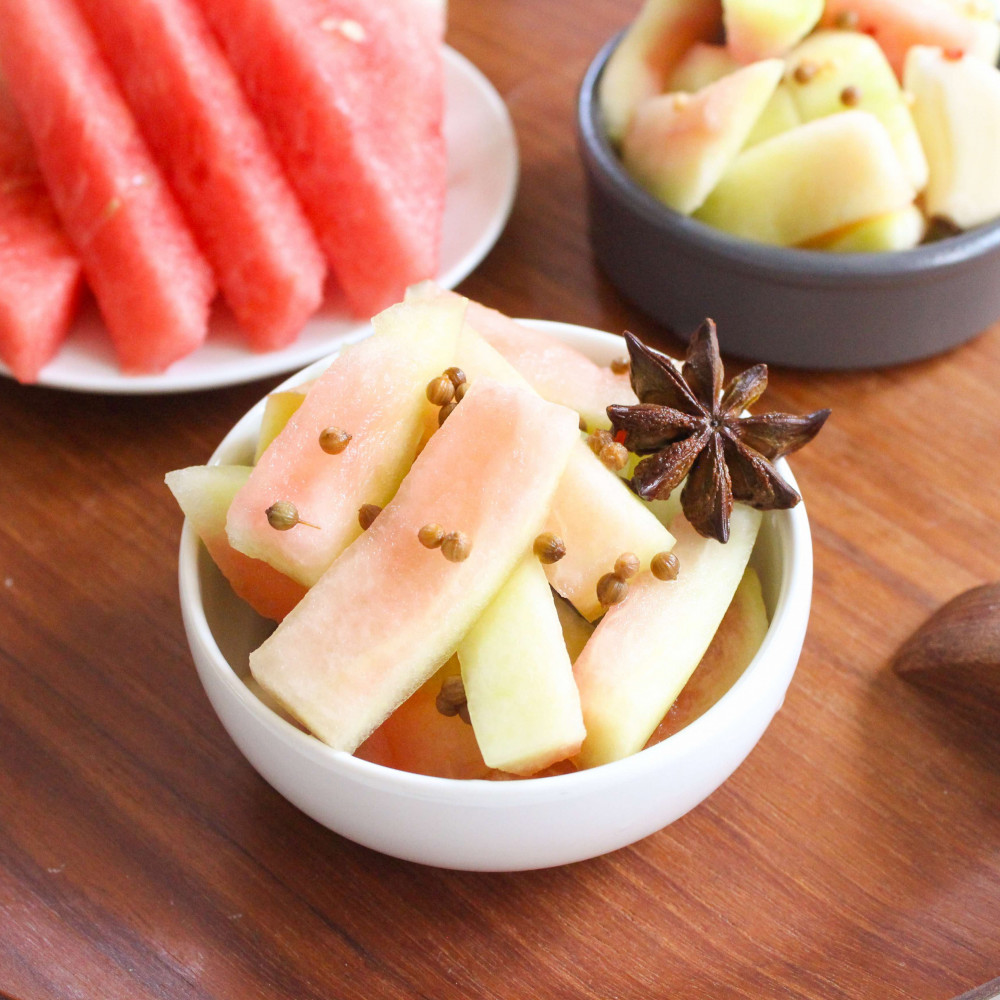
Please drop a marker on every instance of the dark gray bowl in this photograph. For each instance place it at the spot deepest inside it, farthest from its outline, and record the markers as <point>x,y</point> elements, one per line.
<point>801,308</point>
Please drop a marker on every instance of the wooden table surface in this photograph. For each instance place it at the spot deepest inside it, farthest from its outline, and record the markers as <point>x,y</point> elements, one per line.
<point>855,854</point>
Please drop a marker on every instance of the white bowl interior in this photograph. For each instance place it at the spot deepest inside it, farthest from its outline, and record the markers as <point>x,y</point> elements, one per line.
<point>487,825</point>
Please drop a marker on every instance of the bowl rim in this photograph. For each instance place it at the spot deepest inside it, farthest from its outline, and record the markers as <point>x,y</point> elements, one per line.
<point>790,264</point>
<point>790,534</point>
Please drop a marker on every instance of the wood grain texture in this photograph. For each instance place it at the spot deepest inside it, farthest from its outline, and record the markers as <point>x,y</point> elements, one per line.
<point>856,853</point>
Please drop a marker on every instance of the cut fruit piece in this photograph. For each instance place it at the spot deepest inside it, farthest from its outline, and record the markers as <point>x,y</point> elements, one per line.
<point>375,392</point>
<point>522,699</point>
<point>779,115</point>
<point>898,25</point>
<point>645,649</point>
<point>766,29</point>
<point>555,370</point>
<point>204,493</point>
<point>832,70</point>
<point>418,738</point>
<point>679,145</point>
<point>702,64</point>
<point>599,518</point>
<point>278,410</point>
<point>956,107</point>
<point>733,646</point>
<point>40,273</point>
<point>390,611</point>
<point>151,283</point>
<point>589,494</point>
<point>812,180</point>
<point>899,230</point>
<point>649,50</point>
<point>215,156</point>
<point>352,97</point>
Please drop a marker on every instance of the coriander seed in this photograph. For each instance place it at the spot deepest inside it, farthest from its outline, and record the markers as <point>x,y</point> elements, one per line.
<point>456,376</point>
<point>283,515</point>
<point>431,535</point>
<point>333,440</point>
<point>664,566</point>
<point>614,455</point>
<point>620,366</point>
<point>445,412</point>
<point>626,565</point>
<point>440,390</point>
<point>850,96</point>
<point>367,513</point>
<point>611,589</point>
<point>549,548</point>
<point>455,546</point>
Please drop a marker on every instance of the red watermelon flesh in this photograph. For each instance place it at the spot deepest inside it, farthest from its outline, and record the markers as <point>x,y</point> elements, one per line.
<point>40,275</point>
<point>152,285</point>
<point>352,96</point>
<point>214,153</point>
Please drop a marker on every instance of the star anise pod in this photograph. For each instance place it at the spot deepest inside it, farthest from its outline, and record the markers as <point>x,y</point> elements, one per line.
<point>692,427</point>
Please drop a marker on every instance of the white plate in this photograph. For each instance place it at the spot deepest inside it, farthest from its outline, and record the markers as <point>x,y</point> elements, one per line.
<point>482,180</point>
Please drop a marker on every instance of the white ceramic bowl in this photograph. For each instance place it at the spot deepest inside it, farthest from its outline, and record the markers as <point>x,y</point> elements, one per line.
<point>508,825</point>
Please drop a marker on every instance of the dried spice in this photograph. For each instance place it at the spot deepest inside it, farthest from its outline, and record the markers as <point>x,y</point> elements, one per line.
<point>283,515</point>
<point>690,426</point>
<point>957,647</point>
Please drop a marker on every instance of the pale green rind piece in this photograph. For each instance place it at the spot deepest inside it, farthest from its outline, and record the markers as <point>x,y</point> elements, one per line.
<point>651,47</point>
<point>899,230</point>
<point>779,115</point>
<point>522,699</point>
<point>702,64</point>
<point>810,181</point>
<point>956,107</point>
<point>389,611</point>
<point>278,409</point>
<point>767,29</point>
<point>645,649</point>
<point>204,493</point>
<point>827,63</point>
<point>679,145</point>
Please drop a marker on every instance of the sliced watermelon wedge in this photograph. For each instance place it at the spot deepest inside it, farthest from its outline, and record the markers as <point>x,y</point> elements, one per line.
<point>40,274</point>
<point>352,96</point>
<point>215,155</point>
<point>151,283</point>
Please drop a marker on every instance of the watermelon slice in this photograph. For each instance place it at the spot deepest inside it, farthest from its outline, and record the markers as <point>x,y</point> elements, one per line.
<point>216,157</point>
<point>40,275</point>
<point>389,611</point>
<point>151,283</point>
<point>352,96</point>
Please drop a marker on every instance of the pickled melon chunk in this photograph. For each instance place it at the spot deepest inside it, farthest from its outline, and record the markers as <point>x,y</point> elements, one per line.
<point>733,646</point>
<point>899,230</point>
<point>898,25</point>
<point>557,371</point>
<point>418,738</point>
<point>956,106</point>
<point>278,409</point>
<point>651,47</point>
<point>832,67</point>
<point>679,145</point>
<point>389,611</point>
<point>375,391</point>
<point>599,518</point>
<point>645,648</point>
<point>523,701</point>
<point>763,29</point>
<point>589,494</point>
<point>204,493</point>
<point>812,180</point>
<point>779,115</point>
<point>702,64</point>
